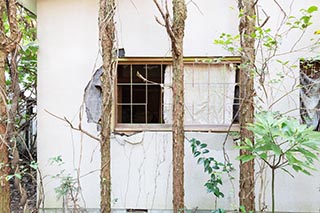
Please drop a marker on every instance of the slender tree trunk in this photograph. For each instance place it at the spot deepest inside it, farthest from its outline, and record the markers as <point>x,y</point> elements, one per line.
<point>107,36</point>
<point>176,33</point>
<point>7,44</point>
<point>178,136</point>
<point>4,160</point>
<point>179,17</point>
<point>246,29</point>
<point>272,189</point>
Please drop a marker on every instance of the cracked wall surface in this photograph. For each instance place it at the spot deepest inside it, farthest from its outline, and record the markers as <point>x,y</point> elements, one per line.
<point>141,163</point>
<point>145,177</point>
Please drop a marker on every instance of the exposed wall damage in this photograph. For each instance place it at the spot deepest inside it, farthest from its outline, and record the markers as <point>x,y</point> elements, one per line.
<point>93,98</point>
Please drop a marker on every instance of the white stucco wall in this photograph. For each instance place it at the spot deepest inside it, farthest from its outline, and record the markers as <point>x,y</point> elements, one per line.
<point>141,173</point>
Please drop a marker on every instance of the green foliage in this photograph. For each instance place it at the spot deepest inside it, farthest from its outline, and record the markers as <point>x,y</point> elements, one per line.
<point>218,211</point>
<point>27,53</point>
<point>229,42</point>
<point>266,39</point>
<point>34,165</point>
<point>282,141</point>
<point>23,170</point>
<point>304,21</point>
<point>21,81</point>
<point>27,64</point>
<point>16,175</point>
<point>68,184</point>
<point>56,160</point>
<point>243,210</point>
<point>211,166</point>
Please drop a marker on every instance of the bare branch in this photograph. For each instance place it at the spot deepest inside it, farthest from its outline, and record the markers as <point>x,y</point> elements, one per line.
<point>196,5</point>
<point>79,128</point>
<point>166,19</point>
<point>280,7</point>
<point>265,21</point>
<point>159,22</point>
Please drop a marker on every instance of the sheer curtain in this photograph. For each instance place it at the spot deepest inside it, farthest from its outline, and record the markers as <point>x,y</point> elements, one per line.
<point>209,94</point>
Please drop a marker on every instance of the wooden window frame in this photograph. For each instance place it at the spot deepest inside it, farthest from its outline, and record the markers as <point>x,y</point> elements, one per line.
<point>123,127</point>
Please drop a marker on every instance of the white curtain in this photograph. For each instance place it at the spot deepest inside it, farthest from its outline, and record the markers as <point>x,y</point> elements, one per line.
<point>209,94</point>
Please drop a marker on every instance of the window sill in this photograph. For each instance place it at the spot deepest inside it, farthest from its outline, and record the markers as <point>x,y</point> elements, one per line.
<point>168,127</point>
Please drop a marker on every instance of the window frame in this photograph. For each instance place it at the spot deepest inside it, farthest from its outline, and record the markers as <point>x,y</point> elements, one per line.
<point>137,127</point>
<point>310,68</point>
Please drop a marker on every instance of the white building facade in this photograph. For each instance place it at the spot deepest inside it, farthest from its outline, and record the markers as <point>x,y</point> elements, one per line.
<point>69,54</point>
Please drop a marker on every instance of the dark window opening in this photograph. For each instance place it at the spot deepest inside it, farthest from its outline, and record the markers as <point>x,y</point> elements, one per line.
<point>310,93</point>
<point>236,100</point>
<point>139,99</point>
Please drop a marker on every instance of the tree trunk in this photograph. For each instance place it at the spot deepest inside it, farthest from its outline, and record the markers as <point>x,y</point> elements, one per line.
<point>107,36</point>
<point>178,135</point>
<point>179,17</point>
<point>4,160</point>
<point>7,44</point>
<point>246,29</point>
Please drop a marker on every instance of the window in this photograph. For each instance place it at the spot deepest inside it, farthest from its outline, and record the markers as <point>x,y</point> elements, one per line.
<point>310,93</point>
<point>139,94</point>
<point>144,94</point>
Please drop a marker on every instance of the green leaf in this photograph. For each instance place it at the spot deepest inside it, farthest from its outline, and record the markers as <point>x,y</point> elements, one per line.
<point>307,153</point>
<point>263,148</point>
<point>296,168</point>
<point>291,159</point>
<point>18,175</point>
<point>206,164</point>
<point>248,142</point>
<point>263,156</point>
<point>306,172</point>
<point>242,209</point>
<point>205,151</point>
<point>8,177</point>
<point>276,149</point>
<point>218,194</point>
<point>312,9</point>
<point>203,145</point>
<point>34,165</point>
<point>245,158</point>
<point>196,153</point>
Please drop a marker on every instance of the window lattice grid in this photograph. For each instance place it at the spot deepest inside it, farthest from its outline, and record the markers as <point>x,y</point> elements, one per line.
<point>210,94</point>
<point>139,101</point>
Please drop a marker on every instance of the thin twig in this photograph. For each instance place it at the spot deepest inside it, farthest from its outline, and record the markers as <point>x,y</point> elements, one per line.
<point>73,127</point>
